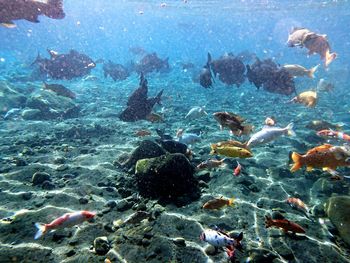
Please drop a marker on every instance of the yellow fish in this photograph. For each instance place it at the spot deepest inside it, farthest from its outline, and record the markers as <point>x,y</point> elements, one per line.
<point>230,151</point>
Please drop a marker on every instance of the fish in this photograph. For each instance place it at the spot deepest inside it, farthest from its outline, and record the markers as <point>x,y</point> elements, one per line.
<point>189,138</point>
<point>218,203</point>
<point>218,238</point>
<point>269,121</point>
<point>231,151</point>
<point>229,143</point>
<point>334,135</point>
<point>60,90</point>
<point>315,43</point>
<point>206,77</point>
<point>323,125</point>
<point>29,10</point>
<point>155,117</point>
<point>268,134</point>
<point>211,163</point>
<point>12,114</point>
<point>115,71</point>
<point>299,71</point>
<point>284,224</point>
<point>298,204</point>
<point>195,113</point>
<point>308,98</point>
<point>142,133</point>
<point>66,220</point>
<point>324,86</point>
<point>233,122</point>
<point>326,156</point>
<point>237,170</point>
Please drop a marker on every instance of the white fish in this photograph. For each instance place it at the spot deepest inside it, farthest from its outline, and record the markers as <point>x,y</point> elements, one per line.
<point>219,239</point>
<point>268,134</point>
<point>12,113</point>
<point>195,113</point>
<point>189,138</point>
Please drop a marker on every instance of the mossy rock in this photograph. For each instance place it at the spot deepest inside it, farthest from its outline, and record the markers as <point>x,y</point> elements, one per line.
<point>168,177</point>
<point>338,210</point>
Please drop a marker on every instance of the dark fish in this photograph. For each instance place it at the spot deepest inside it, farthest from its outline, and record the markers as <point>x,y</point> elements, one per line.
<point>60,90</point>
<point>65,66</point>
<point>137,50</point>
<point>205,77</point>
<point>151,62</point>
<point>29,10</point>
<point>139,106</point>
<point>115,71</point>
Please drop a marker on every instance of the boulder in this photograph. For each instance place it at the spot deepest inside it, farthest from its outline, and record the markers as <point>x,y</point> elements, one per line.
<point>10,98</point>
<point>146,149</point>
<point>52,106</point>
<point>168,177</point>
<point>338,210</point>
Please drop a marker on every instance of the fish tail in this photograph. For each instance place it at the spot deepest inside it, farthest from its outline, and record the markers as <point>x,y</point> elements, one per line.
<point>231,202</point>
<point>290,129</point>
<point>268,221</point>
<point>296,157</point>
<point>312,71</point>
<point>329,58</point>
<point>41,230</point>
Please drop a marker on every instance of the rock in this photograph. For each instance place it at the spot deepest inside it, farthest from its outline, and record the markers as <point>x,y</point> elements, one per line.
<point>168,177</point>
<point>173,146</point>
<point>210,250</point>
<point>123,205</point>
<point>203,176</point>
<point>325,186</point>
<point>111,203</point>
<point>147,149</point>
<point>40,177</point>
<point>338,210</point>
<point>27,196</point>
<point>101,245</point>
<point>31,114</point>
<point>10,98</point>
<point>261,255</point>
<point>52,106</point>
<point>83,200</point>
<point>47,185</point>
<point>179,241</point>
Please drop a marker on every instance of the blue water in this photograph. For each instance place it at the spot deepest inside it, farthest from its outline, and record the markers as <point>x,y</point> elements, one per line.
<point>183,31</point>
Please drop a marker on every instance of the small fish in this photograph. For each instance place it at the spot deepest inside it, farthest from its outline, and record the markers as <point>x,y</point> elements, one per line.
<point>189,138</point>
<point>154,117</point>
<point>318,125</point>
<point>299,71</point>
<point>284,224</point>
<point>211,163</point>
<point>67,220</point>
<point>325,86</point>
<point>298,204</point>
<point>327,157</point>
<point>308,98</point>
<point>268,134</point>
<point>12,114</point>
<point>195,113</point>
<point>334,135</point>
<point>269,121</point>
<point>218,203</point>
<point>142,133</point>
<point>231,151</point>
<point>234,122</point>
<point>237,170</point>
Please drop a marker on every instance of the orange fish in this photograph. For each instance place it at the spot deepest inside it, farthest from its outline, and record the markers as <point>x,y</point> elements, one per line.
<point>142,133</point>
<point>326,156</point>
<point>298,204</point>
<point>218,203</point>
<point>308,98</point>
<point>237,170</point>
<point>286,225</point>
<point>334,135</point>
<point>319,44</point>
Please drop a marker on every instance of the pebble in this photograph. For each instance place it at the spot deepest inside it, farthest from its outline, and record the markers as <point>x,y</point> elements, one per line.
<point>59,160</point>
<point>210,250</point>
<point>26,195</point>
<point>62,167</point>
<point>47,185</point>
<point>101,245</point>
<point>70,253</point>
<point>111,203</point>
<point>19,161</point>
<point>40,177</point>
<point>124,205</point>
<point>83,200</point>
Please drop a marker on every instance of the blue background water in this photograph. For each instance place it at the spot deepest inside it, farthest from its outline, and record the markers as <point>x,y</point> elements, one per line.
<point>182,31</point>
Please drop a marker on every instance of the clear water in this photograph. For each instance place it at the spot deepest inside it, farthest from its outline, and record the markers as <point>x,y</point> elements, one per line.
<point>88,145</point>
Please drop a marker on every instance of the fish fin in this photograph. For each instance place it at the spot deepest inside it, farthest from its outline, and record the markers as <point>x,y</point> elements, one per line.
<point>329,58</point>
<point>213,151</point>
<point>9,24</point>
<point>312,71</point>
<point>309,168</point>
<point>231,202</point>
<point>290,129</point>
<point>41,230</point>
<point>296,157</point>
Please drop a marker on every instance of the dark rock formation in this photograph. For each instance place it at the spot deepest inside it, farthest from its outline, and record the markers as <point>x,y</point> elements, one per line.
<point>139,106</point>
<point>168,177</point>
